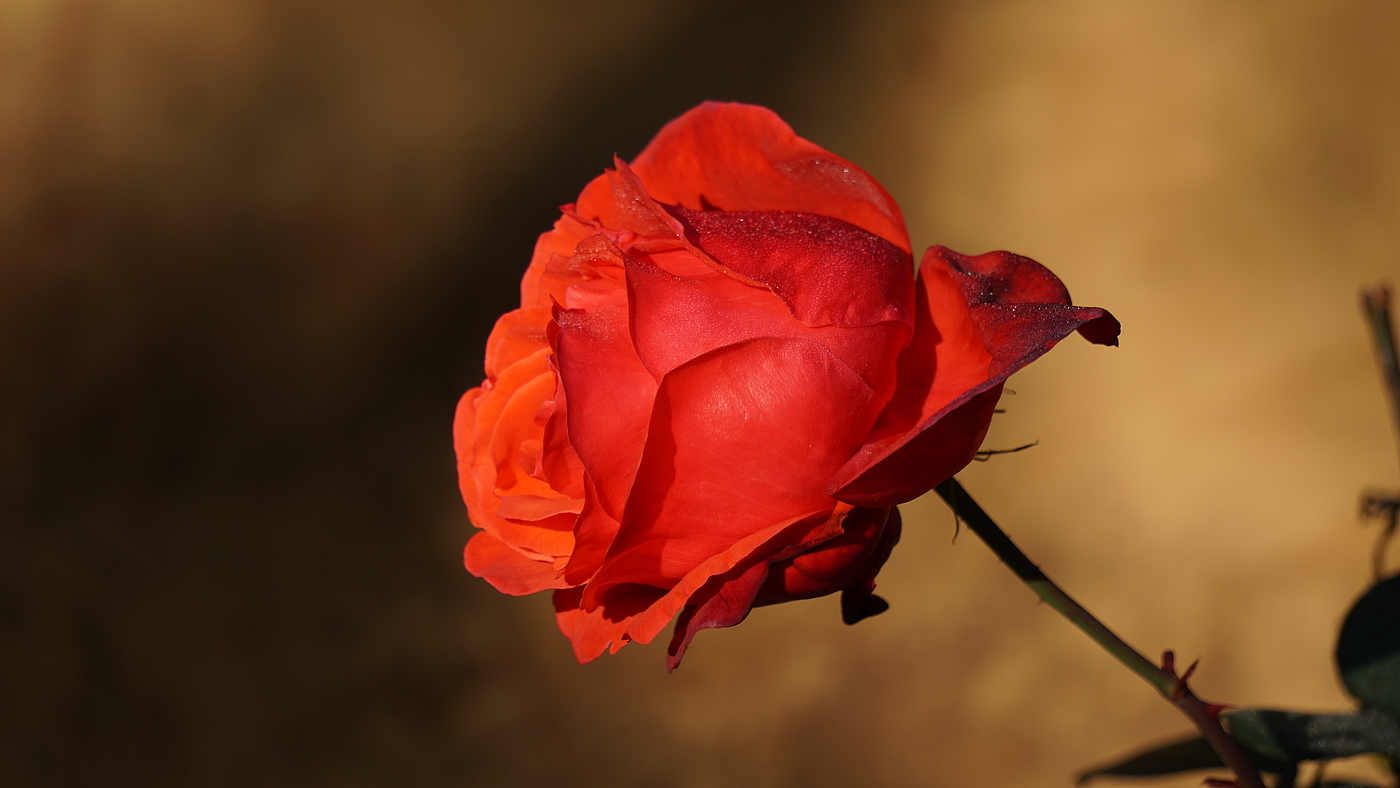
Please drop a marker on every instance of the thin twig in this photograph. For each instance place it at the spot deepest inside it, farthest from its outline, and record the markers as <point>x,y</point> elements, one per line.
<point>1386,507</point>
<point>1163,678</point>
<point>1375,303</point>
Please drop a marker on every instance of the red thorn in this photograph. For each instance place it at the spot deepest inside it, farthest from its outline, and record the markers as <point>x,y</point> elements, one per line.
<point>1169,661</point>
<point>1189,671</point>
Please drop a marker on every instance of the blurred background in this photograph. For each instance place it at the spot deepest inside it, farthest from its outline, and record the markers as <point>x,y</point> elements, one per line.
<point>250,252</point>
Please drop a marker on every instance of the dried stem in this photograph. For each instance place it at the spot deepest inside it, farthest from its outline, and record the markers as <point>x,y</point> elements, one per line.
<point>1163,678</point>
<point>1375,303</point>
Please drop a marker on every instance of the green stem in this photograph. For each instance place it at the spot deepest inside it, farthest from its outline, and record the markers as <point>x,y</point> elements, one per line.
<point>1166,682</point>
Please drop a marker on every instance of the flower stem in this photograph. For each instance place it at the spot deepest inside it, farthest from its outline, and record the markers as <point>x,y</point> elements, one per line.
<point>1162,678</point>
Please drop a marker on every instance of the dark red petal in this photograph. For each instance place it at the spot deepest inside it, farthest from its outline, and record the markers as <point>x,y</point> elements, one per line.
<point>948,386</point>
<point>768,544</point>
<point>738,157</point>
<point>677,318</point>
<point>858,602</point>
<point>828,272</point>
<point>740,438</point>
<point>851,559</point>
<point>730,598</point>
<point>510,572</point>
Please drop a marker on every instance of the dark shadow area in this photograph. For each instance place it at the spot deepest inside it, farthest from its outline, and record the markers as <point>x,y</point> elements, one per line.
<point>231,530</point>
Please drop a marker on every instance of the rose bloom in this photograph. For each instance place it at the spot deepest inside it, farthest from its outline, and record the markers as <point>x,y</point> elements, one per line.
<point>722,378</point>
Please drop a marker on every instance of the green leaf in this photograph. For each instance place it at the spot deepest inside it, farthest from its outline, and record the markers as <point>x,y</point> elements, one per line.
<point>1181,755</point>
<point>1295,736</point>
<point>1368,649</point>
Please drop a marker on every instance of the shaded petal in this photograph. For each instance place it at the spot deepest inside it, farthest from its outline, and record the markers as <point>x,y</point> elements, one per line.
<point>738,157</point>
<point>709,576</point>
<point>851,559</point>
<point>558,463</point>
<point>858,602</point>
<point>510,572</point>
<point>978,320</point>
<point>594,531</point>
<point>727,605</point>
<point>740,438</point>
<point>828,272</point>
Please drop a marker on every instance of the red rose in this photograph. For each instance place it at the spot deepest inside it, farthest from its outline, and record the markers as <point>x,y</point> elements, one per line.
<point>722,378</point>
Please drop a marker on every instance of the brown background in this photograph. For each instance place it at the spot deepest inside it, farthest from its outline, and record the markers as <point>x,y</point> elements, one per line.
<point>250,250</point>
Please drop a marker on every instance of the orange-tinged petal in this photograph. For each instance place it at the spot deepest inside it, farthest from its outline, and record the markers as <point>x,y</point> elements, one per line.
<point>503,567</point>
<point>537,284</point>
<point>591,632</point>
<point>516,336</point>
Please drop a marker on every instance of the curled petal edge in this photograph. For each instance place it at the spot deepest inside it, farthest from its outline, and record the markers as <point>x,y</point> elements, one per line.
<point>1015,305</point>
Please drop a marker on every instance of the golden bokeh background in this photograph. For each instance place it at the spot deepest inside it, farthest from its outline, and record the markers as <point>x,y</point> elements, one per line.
<point>250,251</point>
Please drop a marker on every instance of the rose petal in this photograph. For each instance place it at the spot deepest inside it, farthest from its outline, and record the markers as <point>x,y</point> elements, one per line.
<point>618,201</point>
<point>858,602</point>
<point>699,582</point>
<point>558,463</point>
<point>948,385</point>
<point>516,336</point>
<point>510,572</point>
<point>828,272</point>
<point>481,418</point>
<point>591,632</point>
<point>609,398</point>
<point>537,285</point>
<point>738,157</point>
<point>852,558</point>
<point>727,605</point>
<point>678,318</point>
<point>740,438</point>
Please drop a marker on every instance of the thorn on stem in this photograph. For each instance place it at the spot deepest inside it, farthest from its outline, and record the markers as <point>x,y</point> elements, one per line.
<point>1189,671</point>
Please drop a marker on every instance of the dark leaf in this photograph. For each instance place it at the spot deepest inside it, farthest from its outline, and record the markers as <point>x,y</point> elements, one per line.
<point>1296,736</point>
<point>1182,755</point>
<point>1368,649</point>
